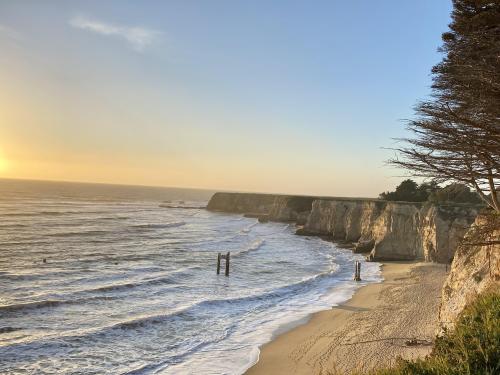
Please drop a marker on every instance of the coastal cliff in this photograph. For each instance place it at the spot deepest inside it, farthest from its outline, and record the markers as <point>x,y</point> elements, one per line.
<point>242,203</point>
<point>474,270</point>
<point>388,230</point>
<point>391,231</point>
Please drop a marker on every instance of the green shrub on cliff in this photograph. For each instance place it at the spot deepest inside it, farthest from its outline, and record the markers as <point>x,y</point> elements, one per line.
<point>455,193</point>
<point>410,191</point>
<point>473,347</point>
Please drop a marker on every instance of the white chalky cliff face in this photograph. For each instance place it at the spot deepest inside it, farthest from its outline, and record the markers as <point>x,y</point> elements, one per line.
<point>390,230</point>
<point>474,270</point>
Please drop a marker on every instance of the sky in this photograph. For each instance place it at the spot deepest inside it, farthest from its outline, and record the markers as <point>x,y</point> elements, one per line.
<point>275,96</point>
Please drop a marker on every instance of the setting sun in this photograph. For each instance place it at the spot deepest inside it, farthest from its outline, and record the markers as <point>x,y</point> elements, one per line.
<point>3,164</point>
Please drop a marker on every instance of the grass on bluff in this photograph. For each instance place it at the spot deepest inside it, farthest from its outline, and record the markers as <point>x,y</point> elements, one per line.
<point>473,347</point>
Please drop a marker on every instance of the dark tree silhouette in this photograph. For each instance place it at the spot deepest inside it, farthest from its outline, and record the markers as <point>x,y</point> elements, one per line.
<point>455,193</point>
<point>456,134</point>
<point>409,191</point>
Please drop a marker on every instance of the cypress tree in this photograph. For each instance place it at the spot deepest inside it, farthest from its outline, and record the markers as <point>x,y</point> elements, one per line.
<point>456,133</point>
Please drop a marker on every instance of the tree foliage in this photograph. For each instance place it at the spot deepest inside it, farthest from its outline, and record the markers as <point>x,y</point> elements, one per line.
<point>456,134</point>
<point>454,193</point>
<point>410,191</point>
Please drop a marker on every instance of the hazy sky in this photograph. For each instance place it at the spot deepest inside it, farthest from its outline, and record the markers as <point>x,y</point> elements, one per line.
<point>277,96</point>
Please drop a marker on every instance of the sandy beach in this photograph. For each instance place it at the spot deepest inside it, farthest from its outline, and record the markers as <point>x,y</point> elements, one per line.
<point>368,331</point>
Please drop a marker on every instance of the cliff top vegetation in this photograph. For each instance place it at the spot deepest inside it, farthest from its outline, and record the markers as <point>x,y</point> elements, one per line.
<point>410,191</point>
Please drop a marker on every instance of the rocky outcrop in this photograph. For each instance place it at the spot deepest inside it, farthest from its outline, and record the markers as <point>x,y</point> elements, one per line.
<point>442,228</point>
<point>343,219</point>
<point>390,230</point>
<point>396,233</point>
<point>275,207</point>
<point>290,208</point>
<point>242,203</point>
<point>474,270</point>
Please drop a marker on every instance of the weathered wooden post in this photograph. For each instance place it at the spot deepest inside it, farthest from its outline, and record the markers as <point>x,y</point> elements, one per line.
<point>357,271</point>
<point>227,263</point>
<point>227,258</point>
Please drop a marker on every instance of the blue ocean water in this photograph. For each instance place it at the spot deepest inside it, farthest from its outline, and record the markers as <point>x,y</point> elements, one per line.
<point>128,285</point>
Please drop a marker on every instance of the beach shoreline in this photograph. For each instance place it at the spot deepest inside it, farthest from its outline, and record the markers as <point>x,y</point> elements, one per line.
<point>368,331</point>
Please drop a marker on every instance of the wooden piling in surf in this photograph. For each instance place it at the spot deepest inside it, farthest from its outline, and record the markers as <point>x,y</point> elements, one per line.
<point>227,263</point>
<point>227,258</point>
<point>357,271</point>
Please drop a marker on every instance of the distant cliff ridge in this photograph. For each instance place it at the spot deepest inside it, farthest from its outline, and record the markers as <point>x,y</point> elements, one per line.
<point>388,230</point>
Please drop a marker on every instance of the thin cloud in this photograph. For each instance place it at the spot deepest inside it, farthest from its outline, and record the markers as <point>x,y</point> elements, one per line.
<point>138,37</point>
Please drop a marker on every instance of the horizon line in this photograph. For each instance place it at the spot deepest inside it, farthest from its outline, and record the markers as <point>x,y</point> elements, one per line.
<point>177,187</point>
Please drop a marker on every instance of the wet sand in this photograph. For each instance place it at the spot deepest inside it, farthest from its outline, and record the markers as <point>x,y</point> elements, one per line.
<point>368,331</point>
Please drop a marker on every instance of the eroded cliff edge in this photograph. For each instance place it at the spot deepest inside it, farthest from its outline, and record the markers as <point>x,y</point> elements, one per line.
<point>388,230</point>
<point>474,270</point>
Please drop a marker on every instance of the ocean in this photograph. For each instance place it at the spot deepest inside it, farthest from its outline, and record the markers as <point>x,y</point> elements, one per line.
<point>108,279</point>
